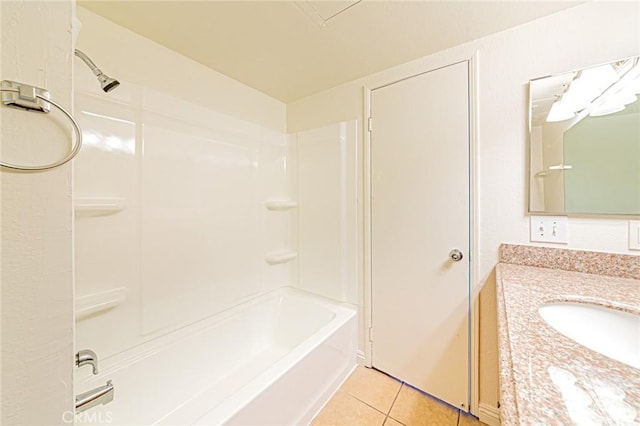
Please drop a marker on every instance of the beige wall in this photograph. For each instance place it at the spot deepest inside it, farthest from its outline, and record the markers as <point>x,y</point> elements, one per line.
<point>588,34</point>
<point>37,280</point>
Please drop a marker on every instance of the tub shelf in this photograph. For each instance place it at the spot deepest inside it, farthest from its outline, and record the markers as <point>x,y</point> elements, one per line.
<point>280,205</point>
<point>98,302</point>
<point>279,257</point>
<point>98,206</point>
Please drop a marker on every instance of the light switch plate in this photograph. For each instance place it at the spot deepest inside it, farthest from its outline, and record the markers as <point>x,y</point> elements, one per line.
<point>634,235</point>
<point>549,229</point>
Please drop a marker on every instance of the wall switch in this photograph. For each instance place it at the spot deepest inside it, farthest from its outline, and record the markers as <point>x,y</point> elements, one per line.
<point>549,229</point>
<point>634,235</point>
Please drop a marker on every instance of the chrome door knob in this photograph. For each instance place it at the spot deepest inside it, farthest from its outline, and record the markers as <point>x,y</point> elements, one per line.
<point>456,255</point>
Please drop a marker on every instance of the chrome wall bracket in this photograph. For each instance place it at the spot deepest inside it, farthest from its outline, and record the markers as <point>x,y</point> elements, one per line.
<point>25,96</point>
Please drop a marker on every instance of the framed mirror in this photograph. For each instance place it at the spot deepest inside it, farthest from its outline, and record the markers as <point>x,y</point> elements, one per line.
<point>584,141</point>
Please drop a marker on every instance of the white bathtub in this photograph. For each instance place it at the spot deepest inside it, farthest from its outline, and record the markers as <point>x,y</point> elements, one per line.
<point>273,360</point>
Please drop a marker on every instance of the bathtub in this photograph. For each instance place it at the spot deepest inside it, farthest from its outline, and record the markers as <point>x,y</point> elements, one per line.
<point>273,360</point>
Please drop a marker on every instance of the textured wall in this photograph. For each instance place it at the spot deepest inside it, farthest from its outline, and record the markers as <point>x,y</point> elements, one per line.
<point>37,280</point>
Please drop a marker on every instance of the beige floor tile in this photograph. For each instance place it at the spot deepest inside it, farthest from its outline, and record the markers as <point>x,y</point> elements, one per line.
<point>392,422</point>
<point>468,420</point>
<point>345,410</point>
<point>413,408</point>
<point>373,387</point>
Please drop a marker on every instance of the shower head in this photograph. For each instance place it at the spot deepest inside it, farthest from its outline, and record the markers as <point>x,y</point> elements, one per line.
<point>107,83</point>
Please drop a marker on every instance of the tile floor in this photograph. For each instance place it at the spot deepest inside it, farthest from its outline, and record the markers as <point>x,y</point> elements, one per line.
<point>369,397</point>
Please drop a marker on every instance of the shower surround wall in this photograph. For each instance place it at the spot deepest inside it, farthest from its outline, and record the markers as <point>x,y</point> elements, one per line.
<point>327,207</point>
<point>171,222</point>
<point>170,193</point>
<point>199,212</point>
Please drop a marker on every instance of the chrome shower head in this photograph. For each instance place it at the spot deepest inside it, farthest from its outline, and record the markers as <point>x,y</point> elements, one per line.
<point>107,83</point>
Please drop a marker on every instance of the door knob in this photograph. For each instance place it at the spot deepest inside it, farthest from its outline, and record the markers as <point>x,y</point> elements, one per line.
<point>456,255</point>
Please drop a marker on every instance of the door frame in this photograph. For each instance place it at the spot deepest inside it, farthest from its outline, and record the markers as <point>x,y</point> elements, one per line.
<point>474,288</point>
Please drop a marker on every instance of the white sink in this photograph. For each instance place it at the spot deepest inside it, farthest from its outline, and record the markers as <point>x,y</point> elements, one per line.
<point>611,332</point>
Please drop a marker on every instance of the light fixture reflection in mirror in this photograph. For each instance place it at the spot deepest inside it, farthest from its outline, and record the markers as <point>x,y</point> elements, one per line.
<point>585,141</point>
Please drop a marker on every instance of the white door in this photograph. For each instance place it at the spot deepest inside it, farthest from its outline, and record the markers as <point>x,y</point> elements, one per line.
<point>419,214</point>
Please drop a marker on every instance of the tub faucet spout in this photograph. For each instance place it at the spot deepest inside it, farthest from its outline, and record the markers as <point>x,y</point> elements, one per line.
<point>98,396</point>
<point>87,357</point>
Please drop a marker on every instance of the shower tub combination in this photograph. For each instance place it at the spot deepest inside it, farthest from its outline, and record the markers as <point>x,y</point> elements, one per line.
<point>272,360</point>
<point>199,254</point>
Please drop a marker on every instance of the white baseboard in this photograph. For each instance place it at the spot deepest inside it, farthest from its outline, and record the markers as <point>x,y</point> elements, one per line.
<point>488,414</point>
<point>360,358</point>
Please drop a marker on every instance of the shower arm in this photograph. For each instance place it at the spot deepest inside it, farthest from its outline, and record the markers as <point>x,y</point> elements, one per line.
<point>106,83</point>
<point>80,54</point>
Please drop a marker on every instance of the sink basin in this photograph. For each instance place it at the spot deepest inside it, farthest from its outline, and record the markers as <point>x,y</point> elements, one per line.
<point>611,332</point>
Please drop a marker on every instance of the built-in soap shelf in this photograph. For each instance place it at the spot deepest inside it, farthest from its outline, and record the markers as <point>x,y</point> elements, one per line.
<point>279,257</point>
<point>98,302</point>
<point>98,206</point>
<point>280,205</point>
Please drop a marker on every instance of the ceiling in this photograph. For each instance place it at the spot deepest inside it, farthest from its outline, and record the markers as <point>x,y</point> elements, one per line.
<point>291,49</point>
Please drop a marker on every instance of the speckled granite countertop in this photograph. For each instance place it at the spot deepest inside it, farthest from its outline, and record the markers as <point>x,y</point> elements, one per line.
<point>547,378</point>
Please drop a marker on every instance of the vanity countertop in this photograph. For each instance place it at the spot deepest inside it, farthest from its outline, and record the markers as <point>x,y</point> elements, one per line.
<point>547,378</point>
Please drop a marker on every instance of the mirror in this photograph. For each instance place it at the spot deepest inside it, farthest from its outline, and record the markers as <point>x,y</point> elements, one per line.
<point>584,141</point>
